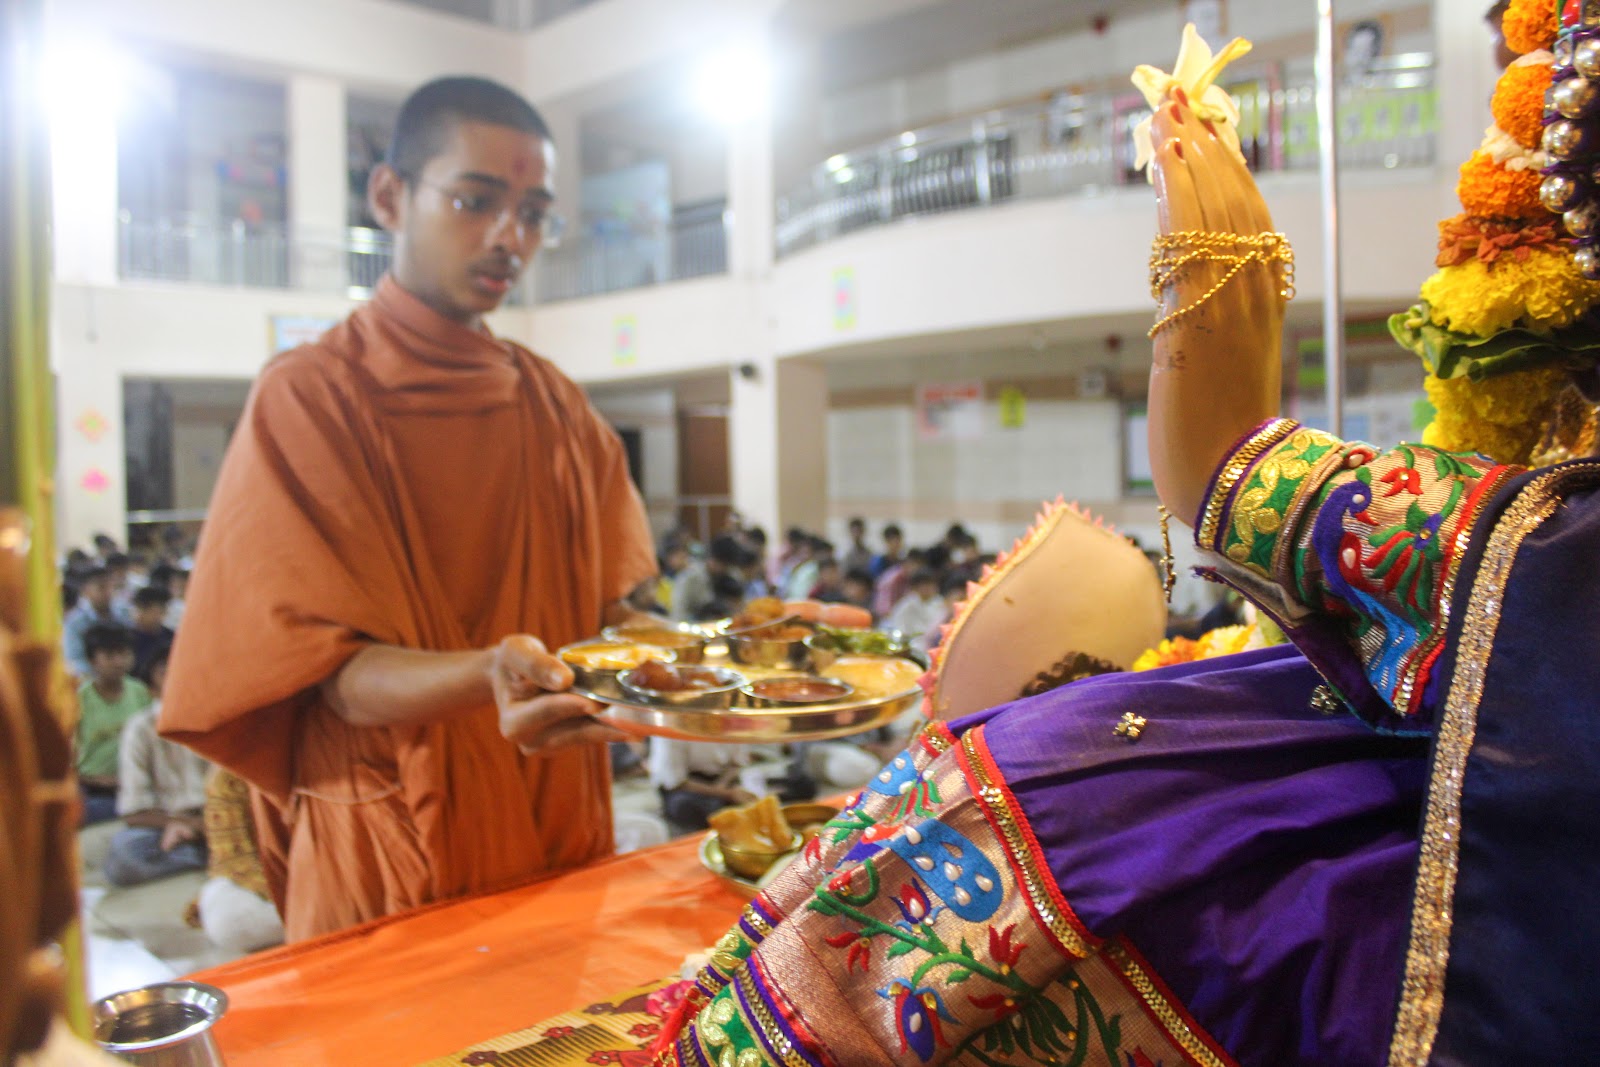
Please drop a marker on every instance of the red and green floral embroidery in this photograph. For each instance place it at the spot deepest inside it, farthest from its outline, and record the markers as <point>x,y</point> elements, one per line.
<point>1367,537</point>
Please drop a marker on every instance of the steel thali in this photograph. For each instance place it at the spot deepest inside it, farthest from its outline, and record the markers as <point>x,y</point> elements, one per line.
<point>741,724</point>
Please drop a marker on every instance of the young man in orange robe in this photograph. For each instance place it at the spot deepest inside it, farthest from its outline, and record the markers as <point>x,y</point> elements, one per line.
<point>411,515</point>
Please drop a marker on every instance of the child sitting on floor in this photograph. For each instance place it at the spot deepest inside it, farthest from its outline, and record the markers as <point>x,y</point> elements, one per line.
<point>161,796</point>
<point>105,704</point>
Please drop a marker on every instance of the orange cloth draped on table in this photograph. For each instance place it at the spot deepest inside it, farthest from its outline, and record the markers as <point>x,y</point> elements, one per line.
<point>410,988</point>
<point>409,481</point>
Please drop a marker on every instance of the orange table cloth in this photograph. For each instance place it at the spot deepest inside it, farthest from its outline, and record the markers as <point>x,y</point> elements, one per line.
<point>430,982</point>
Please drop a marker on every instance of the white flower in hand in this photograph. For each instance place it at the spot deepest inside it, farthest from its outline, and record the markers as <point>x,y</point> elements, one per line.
<point>1196,73</point>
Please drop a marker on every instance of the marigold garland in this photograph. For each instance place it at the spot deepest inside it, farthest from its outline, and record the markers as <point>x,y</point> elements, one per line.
<point>1542,291</point>
<point>1223,641</point>
<point>1518,103</point>
<point>1502,417</point>
<point>1464,237</point>
<point>1530,25</point>
<point>1491,191</point>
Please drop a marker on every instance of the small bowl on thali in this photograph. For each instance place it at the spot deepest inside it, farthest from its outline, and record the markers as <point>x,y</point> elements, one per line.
<point>779,645</point>
<point>794,691</point>
<point>686,641</point>
<point>691,685</point>
<point>831,642</point>
<point>755,862</point>
<point>596,662</point>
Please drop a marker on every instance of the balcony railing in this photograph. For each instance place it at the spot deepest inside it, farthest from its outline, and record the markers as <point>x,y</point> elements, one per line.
<point>1080,144</point>
<point>605,262</point>
<point>264,257</point>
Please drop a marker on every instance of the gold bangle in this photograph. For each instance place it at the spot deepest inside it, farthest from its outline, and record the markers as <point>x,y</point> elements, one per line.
<point>1172,253</point>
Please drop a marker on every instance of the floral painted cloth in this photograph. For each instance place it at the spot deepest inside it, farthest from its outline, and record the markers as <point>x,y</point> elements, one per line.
<point>612,1032</point>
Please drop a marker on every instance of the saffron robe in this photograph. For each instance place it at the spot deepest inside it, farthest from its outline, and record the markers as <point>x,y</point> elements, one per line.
<point>409,481</point>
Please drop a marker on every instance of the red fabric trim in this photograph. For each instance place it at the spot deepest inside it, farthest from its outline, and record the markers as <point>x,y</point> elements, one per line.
<point>1030,841</point>
<point>1172,1002</point>
<point>812,1045</point>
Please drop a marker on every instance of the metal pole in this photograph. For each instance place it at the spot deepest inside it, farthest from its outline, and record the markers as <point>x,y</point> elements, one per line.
<point>1333,279</point>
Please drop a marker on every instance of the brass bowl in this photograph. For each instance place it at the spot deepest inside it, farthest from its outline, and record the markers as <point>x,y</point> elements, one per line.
<point>729,682</point>
<point>590,670</point>
<point>803,817</point>
<point>686,641</point>
<point>753,863</point>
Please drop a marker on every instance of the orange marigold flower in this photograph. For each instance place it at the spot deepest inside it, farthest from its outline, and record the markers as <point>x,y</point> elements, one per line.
<point>1518,103</point>
<point>1489,190</point>
<point>1464,237</point>
<point>1530,25</point>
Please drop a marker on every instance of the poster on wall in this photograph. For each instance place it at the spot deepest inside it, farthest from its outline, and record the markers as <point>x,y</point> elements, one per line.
<point>844,299</point>
<point>950,412</point>
<point>625,341</point>
<point>1136,477</point>
<point>292,331</point>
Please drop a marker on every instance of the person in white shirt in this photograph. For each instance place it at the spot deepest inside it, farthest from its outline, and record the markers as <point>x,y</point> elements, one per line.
<point>697,779</point>
<point>161,795</point>
<point>922,610</point>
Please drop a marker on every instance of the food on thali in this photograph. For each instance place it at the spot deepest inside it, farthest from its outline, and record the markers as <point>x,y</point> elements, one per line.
<point>859,641</point>
<point>760,610</point>
<point>799,690</point>
<point>875,676</point>
<point>787,632</point>
<point>754,827</point>
<point>609,655</point>
<point>845,615</point>
<point>754,838</point>
<point>653,674</point>
<point>659,636</point>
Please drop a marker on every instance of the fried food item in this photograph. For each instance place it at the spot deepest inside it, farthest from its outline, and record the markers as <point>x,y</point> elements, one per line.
<point>653,674</point>
<point>758,827</point>
<point>761,609</point>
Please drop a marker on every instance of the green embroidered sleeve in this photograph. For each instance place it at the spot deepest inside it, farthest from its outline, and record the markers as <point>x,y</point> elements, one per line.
<point>1371,539</point>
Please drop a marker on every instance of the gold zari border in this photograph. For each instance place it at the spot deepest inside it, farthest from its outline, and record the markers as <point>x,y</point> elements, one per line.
<point>1035,884</point>
<point>1180,1032</point>
<point>1433,906</point>
<point>1233,468</point>
<point>763,1025</point>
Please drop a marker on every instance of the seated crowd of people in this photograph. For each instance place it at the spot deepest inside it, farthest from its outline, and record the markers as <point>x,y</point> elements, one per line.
<point>910,590</point>
<point>178,813</point>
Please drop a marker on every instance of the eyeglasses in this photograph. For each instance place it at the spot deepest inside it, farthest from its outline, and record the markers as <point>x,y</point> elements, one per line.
<point>532,215</point>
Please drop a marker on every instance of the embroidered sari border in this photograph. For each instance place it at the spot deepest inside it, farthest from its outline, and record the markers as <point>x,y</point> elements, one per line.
<point>1045,899</point>
<point>1420,661</point>
<point>1230,472</point>
<point>1432,913</point>
<point>937,738</point>
<point>1181,1028</point>
<point>767,1022</point>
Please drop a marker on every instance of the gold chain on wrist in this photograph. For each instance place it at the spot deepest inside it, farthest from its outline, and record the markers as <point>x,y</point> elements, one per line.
<point>1172,253</point>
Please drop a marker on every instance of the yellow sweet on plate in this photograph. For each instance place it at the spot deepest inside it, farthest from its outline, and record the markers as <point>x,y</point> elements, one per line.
<point>874,676</point>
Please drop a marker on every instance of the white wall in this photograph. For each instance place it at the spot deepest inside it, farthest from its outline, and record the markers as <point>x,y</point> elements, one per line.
<point>362,42</point>
<point>1036,261</point>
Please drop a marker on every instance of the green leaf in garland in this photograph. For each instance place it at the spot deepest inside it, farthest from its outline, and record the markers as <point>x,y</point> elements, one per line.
<point>1447,354</point>
<point>957,977</point>
<point>899,948</point>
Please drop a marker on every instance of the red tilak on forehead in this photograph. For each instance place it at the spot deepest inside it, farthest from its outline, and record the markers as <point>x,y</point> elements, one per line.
<point>520,167</point>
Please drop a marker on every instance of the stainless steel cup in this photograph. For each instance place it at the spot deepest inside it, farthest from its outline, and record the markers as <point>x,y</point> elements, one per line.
<point>163,1025</point>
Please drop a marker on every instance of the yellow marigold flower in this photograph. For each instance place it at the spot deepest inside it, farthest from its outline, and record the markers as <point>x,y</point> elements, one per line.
<point>1518,103</point>
<point>1168,652</point>
<point>1502,417</point>
<point>1542,291</point>
<point>1530,25</point>
<point>1491,191</point>
<point>1226,640</point>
